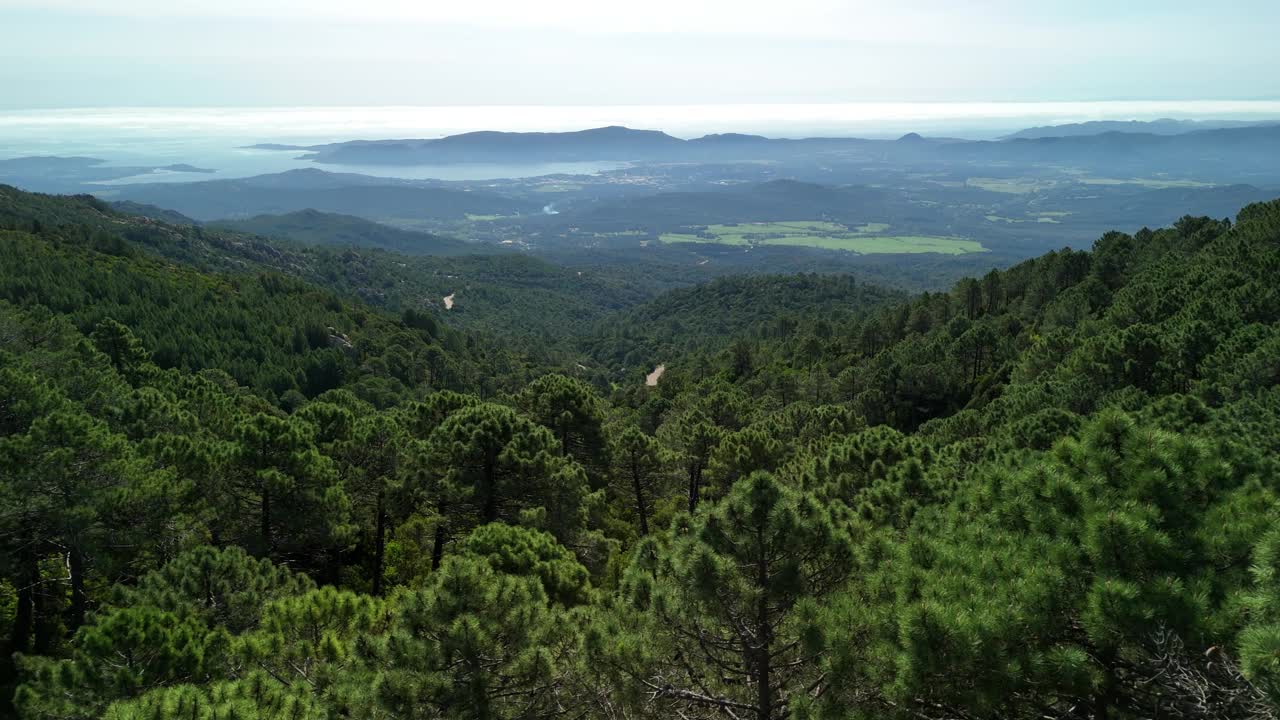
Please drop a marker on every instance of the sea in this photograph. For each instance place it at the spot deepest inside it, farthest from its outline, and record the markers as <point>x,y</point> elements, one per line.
<point>217,138</point>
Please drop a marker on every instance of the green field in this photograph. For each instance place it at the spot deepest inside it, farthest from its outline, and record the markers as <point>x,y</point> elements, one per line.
<point>1152,183</point>
<point>864,239</point>
<point>557,187</point>
<point>1047,218</point>
<point>683,238</point>
<point>888,244</point>
<point>1025,185</point>
<point>777,228</point>
<point>1012,186</point>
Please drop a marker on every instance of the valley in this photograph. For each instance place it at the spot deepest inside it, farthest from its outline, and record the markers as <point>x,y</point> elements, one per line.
<point>663,360</point>
<point>1128,386</point>
<point>919,429</point>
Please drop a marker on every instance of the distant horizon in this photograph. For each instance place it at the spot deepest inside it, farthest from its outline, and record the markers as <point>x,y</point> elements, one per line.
<point>335,123</point>
<point>221,138</point>
<point>243,53</point>
<point>988,101</point>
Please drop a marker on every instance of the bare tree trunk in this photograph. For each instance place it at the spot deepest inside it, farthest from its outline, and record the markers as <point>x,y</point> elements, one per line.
<point>79,600</point>
<point>695,486</point>
<point>379,541</point>
<point>25,614</point>
<point>641,511</point>
<point>1102,699</point>
<point>489,493</point>
<point>764,637</point>
<point>437,546</point>
<point>44,630</point>
<point>265,530</point>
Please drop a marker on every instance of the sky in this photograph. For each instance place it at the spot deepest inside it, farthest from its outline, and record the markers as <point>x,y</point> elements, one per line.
<point>247,53</point>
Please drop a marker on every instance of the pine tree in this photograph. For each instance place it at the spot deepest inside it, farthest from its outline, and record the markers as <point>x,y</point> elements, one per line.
<point>257,695</point>
<point>68,475</point>
<point>639,466</point>
<point>124,349</point>
<point>178,625</point>
<point>730,605</point>
<point>571,410</point>
<point>692,436</point>
<point>374,453</point>
<point>496,465</point>
<point>309,644</point>
<point>1259,641</point>
<point>482,641</point>
<point>295,492</point>
<point>741,453</point>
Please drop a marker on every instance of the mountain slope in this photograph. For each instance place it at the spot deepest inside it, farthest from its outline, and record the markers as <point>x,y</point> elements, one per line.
<point>514,295</point>
<point>312,227</point>
<point>1049,493</point>
<point>709,316</point>
<point>275,334</point>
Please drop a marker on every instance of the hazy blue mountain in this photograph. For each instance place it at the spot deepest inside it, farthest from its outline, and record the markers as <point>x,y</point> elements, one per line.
<point>1232,154</point>
<point>607,143</point>
<point>1224,155</point>
<point>599,144</point>
<point>362,196</point>
<point>1163,126</point>
<point>320,228</point>
<point>718,138</point>
<point>317,179</point>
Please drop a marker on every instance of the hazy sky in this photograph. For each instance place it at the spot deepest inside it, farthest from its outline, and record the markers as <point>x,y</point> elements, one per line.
<point>82,53</point>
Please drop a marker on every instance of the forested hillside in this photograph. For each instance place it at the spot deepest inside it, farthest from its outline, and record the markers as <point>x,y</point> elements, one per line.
<point>313,227</point>
<point>523,299</point>
<point>539,306</point>
<point>235,482</point>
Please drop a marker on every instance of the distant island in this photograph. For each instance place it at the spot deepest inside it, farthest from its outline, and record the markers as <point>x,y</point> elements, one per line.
<point>275,146</point>
<point>183,167</point>
<point>68,174</point>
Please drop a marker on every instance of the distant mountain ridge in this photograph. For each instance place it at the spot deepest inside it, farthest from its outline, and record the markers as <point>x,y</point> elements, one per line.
<point>1236,153</point>
<point>1163,126</point>
<point>312,189</point>
<point>1222,155</point>
<point>614,142</point>
<point>605,143</point>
